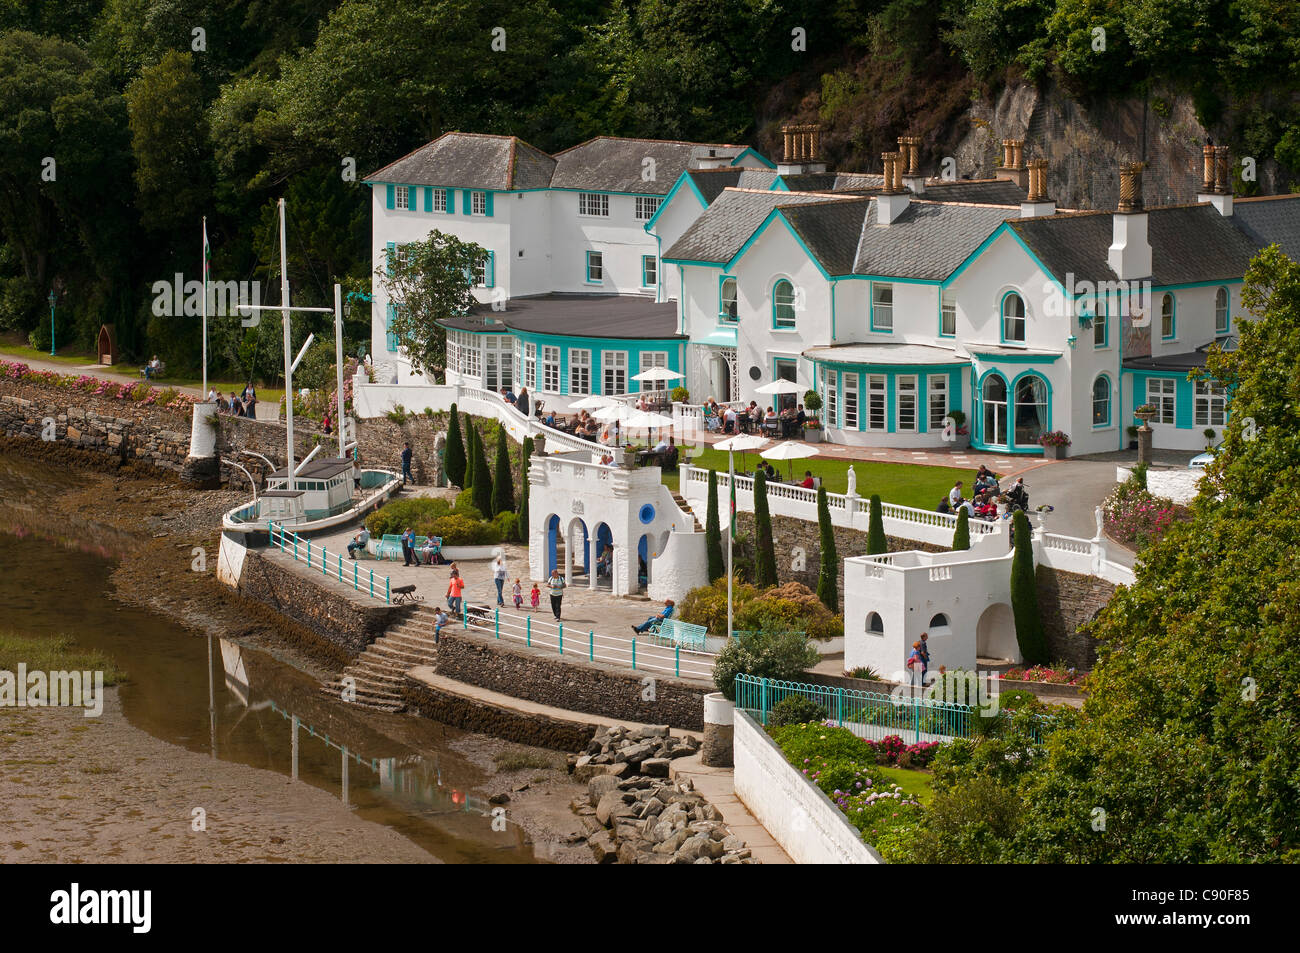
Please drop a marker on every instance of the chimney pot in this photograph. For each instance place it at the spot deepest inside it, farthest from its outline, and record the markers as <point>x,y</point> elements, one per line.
<point>1130,187</point>
<point>1222,171</point>
<point>1207,168</point>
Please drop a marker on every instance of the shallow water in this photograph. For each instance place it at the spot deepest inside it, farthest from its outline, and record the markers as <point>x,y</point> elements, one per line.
<point>237,704</point>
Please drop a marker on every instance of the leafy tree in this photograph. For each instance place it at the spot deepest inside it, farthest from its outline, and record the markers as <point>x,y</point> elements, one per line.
<point>482,479</point>
<point>828,590</point>
<point>429,283</point>
<point>503,484</point>
<point>961,535</point>
<point>1030,635</point>
<point>523,528</point>
<point>171,174</point>
<point>877,543</point>
<point>785,654</point>
<point>455,450</point>
<point>765,570</point>
<point>713,531</point>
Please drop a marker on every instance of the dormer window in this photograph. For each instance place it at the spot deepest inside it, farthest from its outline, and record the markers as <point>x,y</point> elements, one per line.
<point>1221,311</point>
<point>1013,319</point>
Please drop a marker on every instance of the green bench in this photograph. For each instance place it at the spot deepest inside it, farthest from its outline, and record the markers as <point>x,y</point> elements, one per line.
<point>390,547</point>
<point>685,634</point>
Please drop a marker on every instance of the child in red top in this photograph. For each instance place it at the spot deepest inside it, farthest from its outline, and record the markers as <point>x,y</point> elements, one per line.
<point>535,596</point>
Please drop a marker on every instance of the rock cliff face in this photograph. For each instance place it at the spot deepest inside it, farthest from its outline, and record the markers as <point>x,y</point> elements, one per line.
<point>1085,145</point>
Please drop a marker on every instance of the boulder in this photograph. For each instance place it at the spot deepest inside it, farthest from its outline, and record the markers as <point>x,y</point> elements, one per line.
<point>603,847</point>
<point>635,753</point>
<point>611,805</point>
<point>601,785</point>
<point>652,807</point>
<point>672,842</point>
<point>655,767</point>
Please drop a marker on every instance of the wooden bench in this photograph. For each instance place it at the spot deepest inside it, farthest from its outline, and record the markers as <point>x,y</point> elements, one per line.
<point>685,634</point>
<point>403,594</point>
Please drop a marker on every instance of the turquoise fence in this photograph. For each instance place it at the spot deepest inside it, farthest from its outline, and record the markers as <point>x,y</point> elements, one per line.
<point>872,714</point>
<point>330,564</point>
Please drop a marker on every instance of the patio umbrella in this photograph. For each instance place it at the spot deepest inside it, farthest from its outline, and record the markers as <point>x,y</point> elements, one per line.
<point>619,412</point>
<point>591,403</point>
<point>648,420</point>
<point>789,450</point>
<point>779,386</point>
<point>658,374</point>
<point>741,442</point>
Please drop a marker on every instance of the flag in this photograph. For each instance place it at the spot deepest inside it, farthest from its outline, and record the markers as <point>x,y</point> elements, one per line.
<point>732,482</point>
<point>207,253</point>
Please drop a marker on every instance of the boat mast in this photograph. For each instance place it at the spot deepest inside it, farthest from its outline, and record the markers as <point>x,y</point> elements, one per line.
<point>288,368</point>
<point>338,364</point>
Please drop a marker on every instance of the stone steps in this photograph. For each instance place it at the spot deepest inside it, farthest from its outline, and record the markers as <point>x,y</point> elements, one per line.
<point>686,508</point>
<point>379,672</point>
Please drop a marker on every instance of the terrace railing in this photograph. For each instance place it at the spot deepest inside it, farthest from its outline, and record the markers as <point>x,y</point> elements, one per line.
<point>331,565</point>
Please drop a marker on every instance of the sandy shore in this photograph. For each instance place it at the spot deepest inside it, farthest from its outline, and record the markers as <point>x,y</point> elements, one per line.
<point>89,790</point>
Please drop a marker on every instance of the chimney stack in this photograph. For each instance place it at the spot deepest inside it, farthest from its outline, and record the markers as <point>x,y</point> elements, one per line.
<point>1037,203</point>
<point>1129,255</point>
<point>1216,178</point>
<point>913,180</point>
<point>1013,162</point>
<point>893,198</point>
<point>803,147</point>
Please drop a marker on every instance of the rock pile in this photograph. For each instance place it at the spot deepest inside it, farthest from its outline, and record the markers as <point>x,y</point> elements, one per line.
<point>635,815</point>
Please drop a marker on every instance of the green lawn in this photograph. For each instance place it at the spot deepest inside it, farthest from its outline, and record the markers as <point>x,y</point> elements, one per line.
<point>906,484</point>
<point>23,352</point>
<point>915,783</point>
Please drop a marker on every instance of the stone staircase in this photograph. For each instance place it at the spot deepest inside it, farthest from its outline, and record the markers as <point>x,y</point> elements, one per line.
<point>379,671</point>
<point>686,508</point>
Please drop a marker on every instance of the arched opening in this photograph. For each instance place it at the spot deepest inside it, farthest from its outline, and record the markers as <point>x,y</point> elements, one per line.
<point>643,558</point>
<point>995,634</point>
<point>939,625</point>
<point>1221,311</point>
<point>875,625</point>
<point>1031,410</point>
<point>1013,318</point>
<point>727,307</point>
<point>994,398</point>
<point>1101,401</point>
<point>783,304</point>
<point>552,544</point>
<point>603,549</point>
<point>576,543</point>
<point>1167,326</point>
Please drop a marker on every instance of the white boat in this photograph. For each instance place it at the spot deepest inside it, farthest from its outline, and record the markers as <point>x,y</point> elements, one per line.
<point>322,498</point>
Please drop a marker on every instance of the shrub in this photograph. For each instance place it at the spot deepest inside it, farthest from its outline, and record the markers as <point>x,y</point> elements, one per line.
<point>1024,595</point>
<point>707,605</point>
<point>784,655</point>
<point>812,401</point>
<point>795,710</point>
<point>828,577</point>
<point>394,517</point>
<point>792,606</point>
<point>866,672</point>
<point>877,544</point>
<point>503,483</point>
<point>507,525</point>
<point>465,502</point>
<point>455,453</point>
<point>460,530</point>
<point>713,531</point>
<point>1054,438</point>
<point>765,565</point>
<point>961,536</point>
<point>1137,518</point>
<point>481,485</point>
<point>521,531</point>
<point>397,415</point>
<point>681,395</point>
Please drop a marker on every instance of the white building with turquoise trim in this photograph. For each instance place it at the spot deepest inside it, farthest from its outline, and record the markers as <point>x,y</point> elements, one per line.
<point>899,298</point>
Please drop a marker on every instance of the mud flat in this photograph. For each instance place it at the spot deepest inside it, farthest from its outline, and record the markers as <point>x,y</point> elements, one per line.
<point>91,790</point>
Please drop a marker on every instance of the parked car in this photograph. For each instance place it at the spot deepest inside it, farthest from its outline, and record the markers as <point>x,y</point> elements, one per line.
<point>1202,460</point>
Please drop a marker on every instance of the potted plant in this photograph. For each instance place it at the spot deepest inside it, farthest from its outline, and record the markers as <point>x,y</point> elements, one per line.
<point>961,433</point>
<point>1132,432</point>
<point>812,427</point>
<point>1146,413</point>
<point>1055,444</point>
<point>1209,438</point>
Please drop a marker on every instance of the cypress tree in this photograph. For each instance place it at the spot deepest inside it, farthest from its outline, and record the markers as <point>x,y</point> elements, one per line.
<point>828,590</point>
<point>713,532</point>
<point>471,436</point>
<point>1024,595</point>
<point>521,527</point>
<point>876,542</point>
<point>503,484</point>
<point>482,485</point>
<point>455,455</point>
<point>961,537</point>
<point>765,564</point>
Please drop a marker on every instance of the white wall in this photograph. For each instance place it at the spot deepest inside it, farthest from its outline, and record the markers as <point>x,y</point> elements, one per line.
<point>620,238</point>
<point>794,811</point>
<point>674,218</point>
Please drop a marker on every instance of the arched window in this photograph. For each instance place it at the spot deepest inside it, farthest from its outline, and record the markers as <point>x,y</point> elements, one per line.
<point>783,304</point>
<point>1221,311</point>
<point>1013,318</point>
<point>727,306</point>
<point>995,410</point>
<point>875,626</point>
<point>1031,409</point>
<point>1101,401</point>
<point>1167,316</point>
<point>939,625</point>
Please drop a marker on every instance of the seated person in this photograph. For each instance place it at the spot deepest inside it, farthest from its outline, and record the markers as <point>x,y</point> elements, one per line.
<point>661,446</point>
<point>807,483</point>
<point>359,542</point>
<point>666,613</point>
<point>604,561</point>
<point>769,420</point>
<point>769,471</point>
<point>943,506</point>
<point>429,550</point>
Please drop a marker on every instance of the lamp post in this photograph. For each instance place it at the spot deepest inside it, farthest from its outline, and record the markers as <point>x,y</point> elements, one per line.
<point>52,300</point>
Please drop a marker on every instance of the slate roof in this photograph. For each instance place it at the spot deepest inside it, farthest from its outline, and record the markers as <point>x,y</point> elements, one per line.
<point>1269,220</point>
<point>469,160</point>
<point>711,182</point>
<point>928,241</point>
<point>886,354</point>
<point>611,164</point>
<point>830,230</point>
<point>833,181</point>
<point>729,221</point>
<point>576,315</point>
<point>1189,243</point>
<point>978,191</point>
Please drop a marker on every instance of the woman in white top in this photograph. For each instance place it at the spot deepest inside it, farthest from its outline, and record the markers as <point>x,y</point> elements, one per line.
<point>499,576</point>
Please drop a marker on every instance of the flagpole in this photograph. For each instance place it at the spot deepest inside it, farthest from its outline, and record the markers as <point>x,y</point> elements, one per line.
<point>205,308</point>
<point>731,533</point>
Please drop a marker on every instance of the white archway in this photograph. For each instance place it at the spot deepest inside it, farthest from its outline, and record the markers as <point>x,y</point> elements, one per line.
<point>995,634</point>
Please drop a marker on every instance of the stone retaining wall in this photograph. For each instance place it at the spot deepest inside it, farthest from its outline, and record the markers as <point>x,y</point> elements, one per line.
<point>583,687</point>
<point>333,616</point>
<point>538,730</point>
<point>1067,601</point>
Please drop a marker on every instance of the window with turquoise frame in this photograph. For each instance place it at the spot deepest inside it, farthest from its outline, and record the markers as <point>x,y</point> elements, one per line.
<point>1100,326</point>
<point>388,328</point>
<point>906,398</point>
<point>783,305</point>
<point>1101,402</point>
<point>1013,318</point>
<point>947,315</point>
<point>882,307</point>
<point>649,271</point>
<point>595,268</point>
<point>727,300</point>
<point>1168,325</point>
<point>1221,311</point>
<point>877,413</point>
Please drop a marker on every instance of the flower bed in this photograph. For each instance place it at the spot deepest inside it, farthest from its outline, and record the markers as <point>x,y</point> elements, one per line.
<point>1134,517</point>
<point>844,766</point>
<point>1052,675</point>
<point>140,394</point>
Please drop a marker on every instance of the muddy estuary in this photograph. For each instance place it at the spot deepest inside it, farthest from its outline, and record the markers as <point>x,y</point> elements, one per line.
<point>214,717</point>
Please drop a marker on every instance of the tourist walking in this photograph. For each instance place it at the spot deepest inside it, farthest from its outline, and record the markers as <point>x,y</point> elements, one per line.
<point>250,401</point>
<point>455,590</point>
<point>518,593</point>
<point>406,464</point>
<point>409,556</point>
<point>915,664</point>
<point>499,577</point>
<point>556,586</point>
<point>535,597</point>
